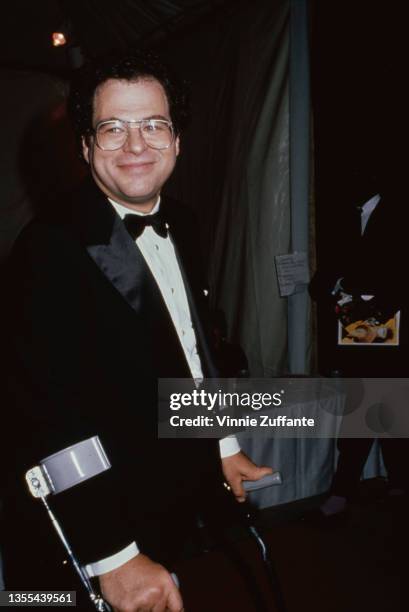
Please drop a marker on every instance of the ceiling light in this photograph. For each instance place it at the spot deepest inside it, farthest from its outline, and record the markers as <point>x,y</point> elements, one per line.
<point>58,39</point>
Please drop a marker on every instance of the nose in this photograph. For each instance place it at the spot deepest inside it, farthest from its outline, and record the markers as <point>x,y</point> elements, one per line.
<point>134,142</point>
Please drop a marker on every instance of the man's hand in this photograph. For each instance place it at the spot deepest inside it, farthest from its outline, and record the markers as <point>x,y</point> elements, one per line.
<point>140,585</point>
<point>237,468</point>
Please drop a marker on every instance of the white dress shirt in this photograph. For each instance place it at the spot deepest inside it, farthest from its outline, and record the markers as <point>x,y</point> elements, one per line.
<point>159,254</point>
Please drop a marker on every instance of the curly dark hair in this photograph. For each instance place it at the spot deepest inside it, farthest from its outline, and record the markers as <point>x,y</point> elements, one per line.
<point>133,66</point>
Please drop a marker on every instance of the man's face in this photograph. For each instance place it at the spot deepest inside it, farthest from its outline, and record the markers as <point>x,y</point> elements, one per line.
<point>134,174</point>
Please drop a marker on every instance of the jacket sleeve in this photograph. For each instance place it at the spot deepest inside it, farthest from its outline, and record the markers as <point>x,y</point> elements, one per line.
<point>54,389</point>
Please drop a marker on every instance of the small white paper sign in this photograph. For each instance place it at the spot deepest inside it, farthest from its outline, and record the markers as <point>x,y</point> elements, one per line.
<point>292,273</point>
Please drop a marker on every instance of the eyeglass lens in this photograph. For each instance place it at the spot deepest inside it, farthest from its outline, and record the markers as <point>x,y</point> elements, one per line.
<point>156,133</point>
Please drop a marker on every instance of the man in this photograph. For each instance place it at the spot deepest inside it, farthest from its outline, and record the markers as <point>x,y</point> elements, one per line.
<point>98,315</point>
<point>363,312</point>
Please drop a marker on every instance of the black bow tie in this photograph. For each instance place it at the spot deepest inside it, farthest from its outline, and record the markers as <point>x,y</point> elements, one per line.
<point>135,224</point>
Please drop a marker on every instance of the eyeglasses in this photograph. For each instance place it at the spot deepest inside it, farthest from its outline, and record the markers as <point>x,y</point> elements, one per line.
<point>112,134</point>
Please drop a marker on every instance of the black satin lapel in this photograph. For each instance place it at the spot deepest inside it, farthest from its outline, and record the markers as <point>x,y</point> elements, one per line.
<point>124,266</point>
<point>122,263</point>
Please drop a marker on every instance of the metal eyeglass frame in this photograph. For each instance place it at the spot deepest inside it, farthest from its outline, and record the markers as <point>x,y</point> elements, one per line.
<point>131,124</point>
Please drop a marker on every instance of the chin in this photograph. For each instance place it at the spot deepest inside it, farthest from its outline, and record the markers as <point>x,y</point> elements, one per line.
<point>133,189</point>
<point>132,194</point>
<point>139,198</point>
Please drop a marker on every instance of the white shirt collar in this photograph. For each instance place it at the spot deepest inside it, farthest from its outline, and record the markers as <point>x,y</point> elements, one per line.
<point>123,210</point>
<point>371,204</point>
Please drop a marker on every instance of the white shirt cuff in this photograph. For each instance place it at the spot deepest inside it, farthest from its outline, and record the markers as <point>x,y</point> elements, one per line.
<point>113,562</point>
<point>229,446</point>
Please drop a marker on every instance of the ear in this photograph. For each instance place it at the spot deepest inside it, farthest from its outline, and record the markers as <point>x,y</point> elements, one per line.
<point>177,145</point>
<point>85,148</point>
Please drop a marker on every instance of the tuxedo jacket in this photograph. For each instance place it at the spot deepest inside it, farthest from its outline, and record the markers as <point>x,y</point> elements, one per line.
<point>89,335</point>
<point>370,264</point>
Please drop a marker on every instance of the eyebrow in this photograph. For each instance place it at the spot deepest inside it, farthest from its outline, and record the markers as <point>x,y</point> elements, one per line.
<point>142,119</point>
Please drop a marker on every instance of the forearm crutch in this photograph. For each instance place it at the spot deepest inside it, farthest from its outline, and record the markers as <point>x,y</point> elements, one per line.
<point>60,472</point>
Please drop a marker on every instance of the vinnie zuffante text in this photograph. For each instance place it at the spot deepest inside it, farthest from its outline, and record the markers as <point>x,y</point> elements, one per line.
<point>261,420</point>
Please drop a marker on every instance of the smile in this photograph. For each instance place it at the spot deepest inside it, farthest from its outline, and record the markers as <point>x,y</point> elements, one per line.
<point>136,166</point>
